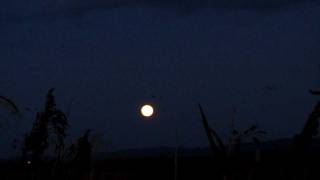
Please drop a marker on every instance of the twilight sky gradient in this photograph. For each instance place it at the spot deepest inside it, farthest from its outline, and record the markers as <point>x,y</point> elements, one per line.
<point>107,59</point>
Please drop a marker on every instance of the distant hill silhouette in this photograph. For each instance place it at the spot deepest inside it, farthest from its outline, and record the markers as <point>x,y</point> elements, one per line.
<point>268,146</point>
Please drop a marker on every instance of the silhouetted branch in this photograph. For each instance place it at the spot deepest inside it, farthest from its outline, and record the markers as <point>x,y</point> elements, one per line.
<point>215,141</point>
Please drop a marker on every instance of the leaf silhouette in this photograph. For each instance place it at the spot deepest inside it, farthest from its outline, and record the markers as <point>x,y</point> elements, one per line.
<point>215,141</point>
<point>251,129</point>
<point>7,103</point>
<point>317,93</point>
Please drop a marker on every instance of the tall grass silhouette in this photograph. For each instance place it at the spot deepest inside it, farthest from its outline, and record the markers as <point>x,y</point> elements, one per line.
<point>50,121</point>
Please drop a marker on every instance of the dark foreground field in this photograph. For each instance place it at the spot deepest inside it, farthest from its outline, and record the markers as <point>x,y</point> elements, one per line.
<point>279,164</point>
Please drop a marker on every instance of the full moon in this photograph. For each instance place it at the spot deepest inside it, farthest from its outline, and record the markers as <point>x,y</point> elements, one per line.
<point>147,111</point>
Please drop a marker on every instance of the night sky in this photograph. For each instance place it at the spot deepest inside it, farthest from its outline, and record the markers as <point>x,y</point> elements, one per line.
<point>107,59</point>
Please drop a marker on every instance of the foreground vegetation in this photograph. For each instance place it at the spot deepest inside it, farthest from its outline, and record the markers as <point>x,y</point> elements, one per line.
<point>226,162</point>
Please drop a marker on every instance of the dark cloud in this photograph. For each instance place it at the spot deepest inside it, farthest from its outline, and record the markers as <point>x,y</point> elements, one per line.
<point>19,10</point>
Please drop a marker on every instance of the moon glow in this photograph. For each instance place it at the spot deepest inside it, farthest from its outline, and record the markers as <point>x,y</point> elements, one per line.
<point>147,111</point>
